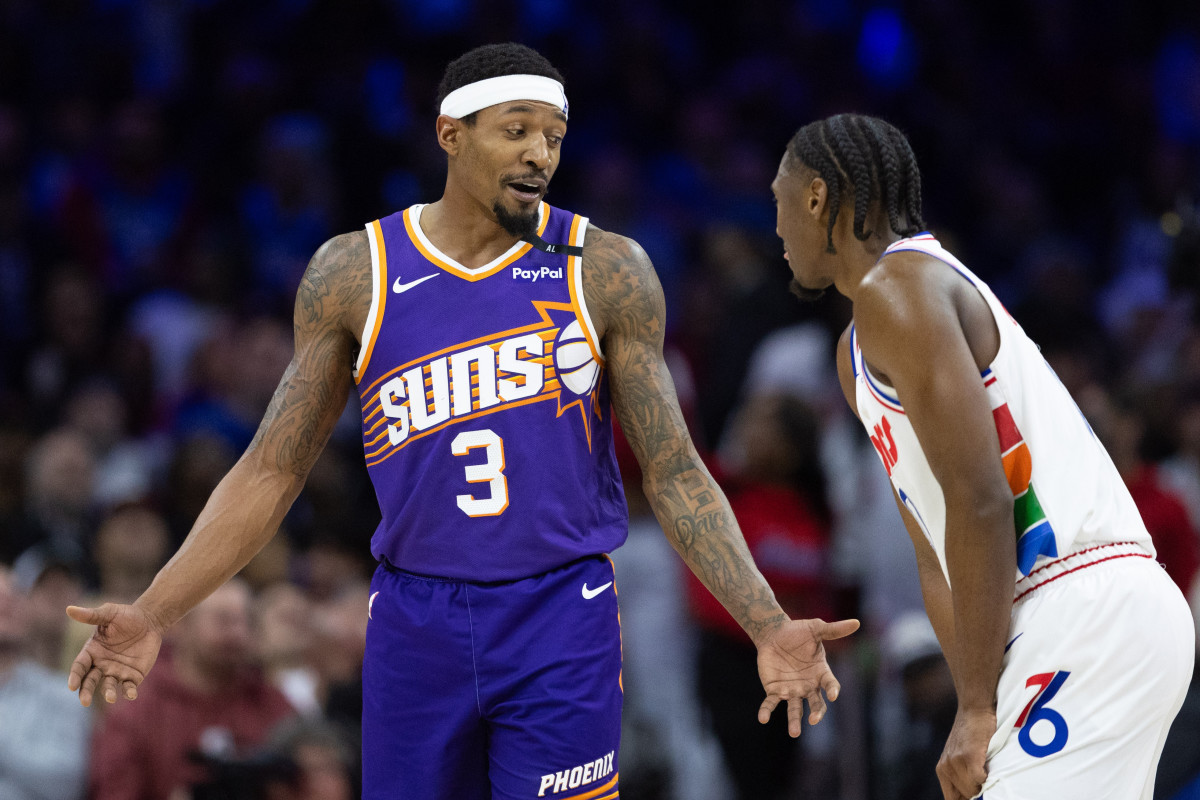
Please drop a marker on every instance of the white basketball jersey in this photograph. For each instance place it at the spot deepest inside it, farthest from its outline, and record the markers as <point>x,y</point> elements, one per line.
<point>1067,494</point>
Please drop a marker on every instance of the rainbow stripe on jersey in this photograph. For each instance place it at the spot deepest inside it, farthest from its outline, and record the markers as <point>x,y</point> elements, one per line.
<point>1035,535</point>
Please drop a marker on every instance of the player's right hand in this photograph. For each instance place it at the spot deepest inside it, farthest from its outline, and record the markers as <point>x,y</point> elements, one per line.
<point>962,768</point>
<point>117,657</point>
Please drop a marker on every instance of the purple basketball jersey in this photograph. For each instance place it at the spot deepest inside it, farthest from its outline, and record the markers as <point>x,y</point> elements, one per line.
<point>486,418</point>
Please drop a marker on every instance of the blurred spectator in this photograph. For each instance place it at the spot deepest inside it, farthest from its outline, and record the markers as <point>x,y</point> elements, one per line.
<point>207,698</point>
<point>44,735</point>
<point>288,211</point>
<point>776,489</point>
<point>133,214</point>
<point>58,517</point>
<point>283,624</point>
<point>270,566</point>
<point>237,372</point>
<point>304,759</point>
<point>1119,427</point>
<point>324,761</point>
<point>339,625</point>
<point>911,649</point>
<point>130,547</point>
<point>741,296</point>
<point>50,585</point>
<point>199,463</point>
<point>71,339</point>
<point>332,566</point>
<point>125,467</point>
<point>1181,470</point>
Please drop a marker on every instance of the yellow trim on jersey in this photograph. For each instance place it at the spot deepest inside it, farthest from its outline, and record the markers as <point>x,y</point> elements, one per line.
<point>388,450</point>
<point>453,267</point>
<point>545,327</point>
<point>367,347</point>
<point>574,278</point>
<point>588,795</point>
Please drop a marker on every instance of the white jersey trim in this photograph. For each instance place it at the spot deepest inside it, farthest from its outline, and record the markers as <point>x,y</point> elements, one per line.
<point>575,265</point>
<point>415,216</point>
<point>367,340</point>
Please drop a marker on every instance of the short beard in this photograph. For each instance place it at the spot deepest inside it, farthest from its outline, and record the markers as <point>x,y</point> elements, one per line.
<point>805,295</point>
<point>520,224</point>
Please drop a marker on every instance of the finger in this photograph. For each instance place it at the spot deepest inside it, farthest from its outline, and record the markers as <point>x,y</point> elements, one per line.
<point>131,691</point>
<point>948,790</point>
<point>969,780</point>
<point>88,688</point>
<point>795,710</point>
<point>830,685</point>
<point>816,707</point>
<point>79,668</point>
<point>92,616</point>
<point>837,630</point>
<point>767,708</point>
<point>108,689</point>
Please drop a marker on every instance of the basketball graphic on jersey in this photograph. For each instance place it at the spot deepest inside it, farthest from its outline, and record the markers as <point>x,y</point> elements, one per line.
<point>573,360</point>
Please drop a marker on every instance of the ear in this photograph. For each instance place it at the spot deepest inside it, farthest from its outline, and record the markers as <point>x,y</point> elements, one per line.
<point>448,131</point>
<point>817,197</point>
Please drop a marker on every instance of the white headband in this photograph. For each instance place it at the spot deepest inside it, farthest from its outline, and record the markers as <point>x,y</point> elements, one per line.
<point>490,91</point>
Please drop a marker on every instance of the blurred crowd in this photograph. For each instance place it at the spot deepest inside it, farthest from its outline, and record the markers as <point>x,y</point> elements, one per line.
<point>167,167</point>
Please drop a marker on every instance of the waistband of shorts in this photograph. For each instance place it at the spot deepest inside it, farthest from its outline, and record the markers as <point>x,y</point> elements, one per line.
<point>390,567</point>
<point>1087,556</point>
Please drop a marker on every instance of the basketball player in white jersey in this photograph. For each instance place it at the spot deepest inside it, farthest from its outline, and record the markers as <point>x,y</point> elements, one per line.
<point>1071,649</point>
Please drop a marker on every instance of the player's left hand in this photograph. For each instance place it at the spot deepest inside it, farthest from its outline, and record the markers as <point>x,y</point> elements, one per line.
<point>792,667</point>
<point>962,769</point>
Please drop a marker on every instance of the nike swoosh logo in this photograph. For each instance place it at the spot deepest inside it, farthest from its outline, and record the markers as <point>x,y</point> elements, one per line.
<point>1014,639</point>
<point>400,288</point>
<point>370,603</point>
<point>588,594</point>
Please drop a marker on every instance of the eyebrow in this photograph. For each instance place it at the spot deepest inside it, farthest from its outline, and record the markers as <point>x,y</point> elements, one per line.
<point>523,109</point>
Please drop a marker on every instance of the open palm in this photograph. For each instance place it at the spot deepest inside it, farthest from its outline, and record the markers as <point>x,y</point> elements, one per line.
<point>792,667</point>
<point>117,657</point>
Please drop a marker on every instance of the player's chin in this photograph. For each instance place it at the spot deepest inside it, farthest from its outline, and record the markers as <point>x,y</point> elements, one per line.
<point>805,293</point>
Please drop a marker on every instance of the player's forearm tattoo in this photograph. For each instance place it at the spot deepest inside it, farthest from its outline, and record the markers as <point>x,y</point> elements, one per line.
<point>313,390</point>
<point>622,290</point>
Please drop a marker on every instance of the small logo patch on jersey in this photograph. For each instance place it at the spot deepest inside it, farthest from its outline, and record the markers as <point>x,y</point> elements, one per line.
<point>535,275</point>
<point>573,359</point>
<point>400,288</point>
<point>588,594</point>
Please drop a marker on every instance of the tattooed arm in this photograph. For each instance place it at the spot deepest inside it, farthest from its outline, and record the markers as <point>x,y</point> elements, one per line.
<point>627,307</point>
<point>248,505</point>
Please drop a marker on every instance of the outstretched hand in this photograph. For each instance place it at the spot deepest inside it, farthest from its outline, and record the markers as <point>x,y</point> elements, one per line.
<point>117,657</point>
<point>792,666</point>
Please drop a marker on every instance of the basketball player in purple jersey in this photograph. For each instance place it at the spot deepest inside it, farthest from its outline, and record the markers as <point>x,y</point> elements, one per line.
<point>1071,649</point>
<point>488,335</point>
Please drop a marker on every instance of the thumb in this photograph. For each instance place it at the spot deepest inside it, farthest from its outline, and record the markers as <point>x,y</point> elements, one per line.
<point>839,629</point>
<point>92,616</point>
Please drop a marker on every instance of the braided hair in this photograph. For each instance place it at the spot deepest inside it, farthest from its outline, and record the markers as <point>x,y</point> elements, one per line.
<point>493,61</point>
<point>870,157</point>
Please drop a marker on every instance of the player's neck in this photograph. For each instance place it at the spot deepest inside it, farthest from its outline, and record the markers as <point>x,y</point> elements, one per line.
<point>858,257</point>
<point>462,228</point>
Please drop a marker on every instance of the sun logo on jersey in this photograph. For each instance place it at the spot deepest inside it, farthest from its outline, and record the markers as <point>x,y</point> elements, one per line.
<point>550,359</point>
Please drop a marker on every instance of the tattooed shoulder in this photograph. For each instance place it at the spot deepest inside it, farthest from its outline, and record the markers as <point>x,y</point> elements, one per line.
<point>620,285</point>
<point>336,287</point>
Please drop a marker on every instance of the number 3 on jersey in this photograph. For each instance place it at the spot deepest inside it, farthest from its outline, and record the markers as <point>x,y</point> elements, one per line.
<point>490,472</point>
